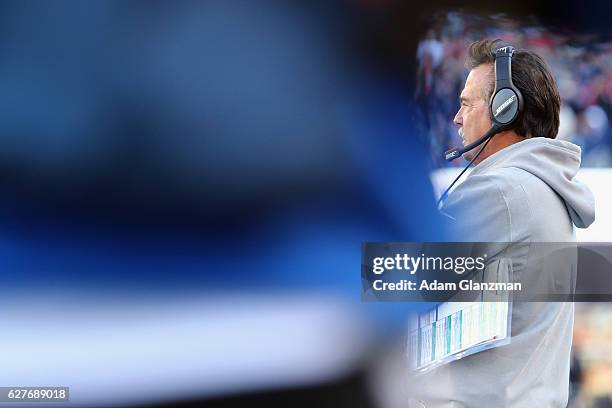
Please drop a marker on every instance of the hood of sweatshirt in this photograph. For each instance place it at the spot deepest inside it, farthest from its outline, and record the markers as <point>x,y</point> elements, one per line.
<point>556,162</point>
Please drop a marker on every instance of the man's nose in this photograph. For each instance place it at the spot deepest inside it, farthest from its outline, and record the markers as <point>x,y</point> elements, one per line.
<point>458,120</point>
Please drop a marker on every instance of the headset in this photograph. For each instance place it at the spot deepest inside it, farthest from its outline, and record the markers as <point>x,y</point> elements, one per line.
<point>505,107</point>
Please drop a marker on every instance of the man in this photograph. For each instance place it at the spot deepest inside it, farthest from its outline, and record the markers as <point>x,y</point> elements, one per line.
<point>522,191</point>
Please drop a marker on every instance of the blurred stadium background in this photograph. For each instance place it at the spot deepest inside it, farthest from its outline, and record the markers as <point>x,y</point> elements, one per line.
<point>185,187</point>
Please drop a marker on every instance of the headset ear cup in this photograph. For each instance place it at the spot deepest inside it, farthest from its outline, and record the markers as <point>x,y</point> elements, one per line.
<point>505,106</point>
<point>507,101</point>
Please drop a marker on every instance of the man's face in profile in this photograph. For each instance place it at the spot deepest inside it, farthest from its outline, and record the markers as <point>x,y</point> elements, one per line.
<point>473,116</point>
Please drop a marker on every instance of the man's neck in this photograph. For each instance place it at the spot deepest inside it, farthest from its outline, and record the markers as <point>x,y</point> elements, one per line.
<point>498,142</point>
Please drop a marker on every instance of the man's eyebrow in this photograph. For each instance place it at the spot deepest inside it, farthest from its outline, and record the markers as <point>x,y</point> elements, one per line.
<point>463,99</point>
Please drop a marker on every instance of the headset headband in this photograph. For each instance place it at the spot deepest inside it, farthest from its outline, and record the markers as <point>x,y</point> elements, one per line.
<point>503,67</point>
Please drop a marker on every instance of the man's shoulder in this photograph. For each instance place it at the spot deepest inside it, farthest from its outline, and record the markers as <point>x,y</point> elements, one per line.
<point>497,186</point>
<point>519,188</point>
<point>493,205</point>
<point>504,177</point>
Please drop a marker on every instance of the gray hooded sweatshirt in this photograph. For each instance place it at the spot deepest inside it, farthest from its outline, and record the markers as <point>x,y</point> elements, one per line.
<point>521,195</point>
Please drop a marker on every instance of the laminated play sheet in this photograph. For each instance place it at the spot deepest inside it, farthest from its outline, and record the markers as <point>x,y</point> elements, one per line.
<point>454,330</point>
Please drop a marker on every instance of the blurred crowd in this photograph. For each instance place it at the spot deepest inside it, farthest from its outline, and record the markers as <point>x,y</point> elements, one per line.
<point>579,61</point>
